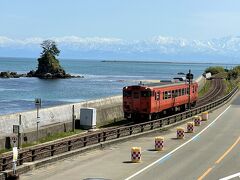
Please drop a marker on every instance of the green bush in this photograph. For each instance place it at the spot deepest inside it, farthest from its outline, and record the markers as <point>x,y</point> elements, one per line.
<point>215,69</point>
<point>233,73</point>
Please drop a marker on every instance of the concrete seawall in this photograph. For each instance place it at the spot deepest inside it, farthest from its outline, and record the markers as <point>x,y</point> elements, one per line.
<point>107,108</point>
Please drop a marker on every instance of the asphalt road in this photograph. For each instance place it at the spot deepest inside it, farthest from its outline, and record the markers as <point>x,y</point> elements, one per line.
<point>211,152</point>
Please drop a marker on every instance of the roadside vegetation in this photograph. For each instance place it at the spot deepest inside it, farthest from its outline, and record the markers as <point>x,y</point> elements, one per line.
<point>230,76</point>
<point>114,122</point>
<point>207,86</point>
<point>215,70</point>
<point>54,137</point>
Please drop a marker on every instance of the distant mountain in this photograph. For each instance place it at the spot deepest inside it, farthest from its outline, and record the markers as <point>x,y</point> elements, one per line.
<point>226,49</point>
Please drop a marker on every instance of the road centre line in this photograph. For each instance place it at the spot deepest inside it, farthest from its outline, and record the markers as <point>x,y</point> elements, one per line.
<point>226,153</point>
<point>179,147</point>
<point>220,159</point>
<point>205,174</point>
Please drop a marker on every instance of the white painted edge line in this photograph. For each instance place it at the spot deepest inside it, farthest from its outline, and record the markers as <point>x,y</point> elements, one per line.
<point>179,147</point>
<point>231,176</point>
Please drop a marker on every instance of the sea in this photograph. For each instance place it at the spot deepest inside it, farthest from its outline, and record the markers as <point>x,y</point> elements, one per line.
<point>101,79</point>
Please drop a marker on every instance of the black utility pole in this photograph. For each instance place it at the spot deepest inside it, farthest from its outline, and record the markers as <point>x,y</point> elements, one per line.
<point>19,132</point>
<point>73,119</point>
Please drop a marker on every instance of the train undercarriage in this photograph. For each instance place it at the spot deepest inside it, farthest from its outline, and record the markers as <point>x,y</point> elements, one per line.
<point>137,117</point>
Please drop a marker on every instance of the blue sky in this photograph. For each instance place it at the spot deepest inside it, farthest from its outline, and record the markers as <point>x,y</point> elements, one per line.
<point>126,19</point>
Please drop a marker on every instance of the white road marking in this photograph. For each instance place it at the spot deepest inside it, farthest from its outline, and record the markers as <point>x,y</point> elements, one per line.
<point>231,176</point>
<point>179,147</point>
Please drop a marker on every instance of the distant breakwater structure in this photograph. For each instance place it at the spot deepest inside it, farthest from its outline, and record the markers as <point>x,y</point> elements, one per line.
<point>48,65</point>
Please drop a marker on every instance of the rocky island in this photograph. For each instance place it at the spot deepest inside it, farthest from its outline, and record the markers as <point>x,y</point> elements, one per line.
<point>48,65</point>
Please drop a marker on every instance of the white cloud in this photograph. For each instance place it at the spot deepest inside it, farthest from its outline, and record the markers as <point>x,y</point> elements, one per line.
<point>61,40</point>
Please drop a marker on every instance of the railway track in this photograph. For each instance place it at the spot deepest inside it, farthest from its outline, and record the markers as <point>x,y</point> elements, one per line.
<point>215,92</point>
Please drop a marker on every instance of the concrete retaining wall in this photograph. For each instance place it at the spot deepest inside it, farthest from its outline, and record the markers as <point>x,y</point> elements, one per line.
<point>201,82</point>
<point>30,136</point>
<point>107,108</point>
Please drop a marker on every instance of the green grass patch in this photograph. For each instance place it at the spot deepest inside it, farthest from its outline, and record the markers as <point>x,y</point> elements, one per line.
<point>59,135</point>
<point>5,150</point>
<point>230,84</point>
<point>47,139</point>
<point>205,88</point>
<point>114,122</point>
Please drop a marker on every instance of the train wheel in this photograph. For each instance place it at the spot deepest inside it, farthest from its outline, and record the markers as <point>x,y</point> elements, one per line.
<point>183,108</point>
<point>194,104</point>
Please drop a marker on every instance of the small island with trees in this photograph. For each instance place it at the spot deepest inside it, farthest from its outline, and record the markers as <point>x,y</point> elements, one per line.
<point>48,65</point>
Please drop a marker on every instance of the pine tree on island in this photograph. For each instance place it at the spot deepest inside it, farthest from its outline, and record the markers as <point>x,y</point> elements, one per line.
<point>48,65</point>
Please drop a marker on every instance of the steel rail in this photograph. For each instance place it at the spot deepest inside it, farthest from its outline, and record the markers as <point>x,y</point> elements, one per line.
<point>217,90</point>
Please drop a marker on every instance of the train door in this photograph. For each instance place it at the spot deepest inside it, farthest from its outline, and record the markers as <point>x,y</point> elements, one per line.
<point>194,94</point>
<point>174,95</point>
<point>136,100</point>
<point>157,100</point>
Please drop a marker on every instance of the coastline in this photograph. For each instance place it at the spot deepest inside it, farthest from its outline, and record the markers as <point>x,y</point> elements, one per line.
<point>161,62</point>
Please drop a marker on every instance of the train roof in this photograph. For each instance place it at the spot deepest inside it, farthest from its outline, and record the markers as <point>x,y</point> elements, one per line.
<point>162,84</point>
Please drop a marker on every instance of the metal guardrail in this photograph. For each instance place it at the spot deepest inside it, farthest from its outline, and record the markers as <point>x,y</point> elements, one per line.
<point>55,148</point>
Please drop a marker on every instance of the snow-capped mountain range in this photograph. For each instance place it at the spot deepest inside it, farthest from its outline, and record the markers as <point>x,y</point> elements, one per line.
<point>226,49</point>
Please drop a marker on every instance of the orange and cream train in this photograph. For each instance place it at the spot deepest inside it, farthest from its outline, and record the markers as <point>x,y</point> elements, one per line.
<point>151,101</point>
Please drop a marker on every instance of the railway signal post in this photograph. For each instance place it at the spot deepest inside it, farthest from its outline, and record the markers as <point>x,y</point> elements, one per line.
<point>14,174</point>
<point>189,77</point>
<point>38,104</point>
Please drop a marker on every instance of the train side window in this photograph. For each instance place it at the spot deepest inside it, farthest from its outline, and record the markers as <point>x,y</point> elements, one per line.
<point>173,94</point>
<point>176,93</point>
<point>179,92</point>
<point>182,92</point>
<point>165,94</point>
<point>146,93</point>
<point>158,96</point>
<point>187,90</point>
<point>193,89</point>
<point>169,94</point>
<point>127,93</point>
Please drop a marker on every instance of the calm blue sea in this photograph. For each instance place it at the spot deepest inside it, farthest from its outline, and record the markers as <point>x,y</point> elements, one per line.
<point>102,79</point>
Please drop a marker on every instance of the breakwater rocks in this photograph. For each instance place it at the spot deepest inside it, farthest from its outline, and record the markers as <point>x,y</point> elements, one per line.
<point>51,75</point>
<point>57,75</point>
<point>8,74</point>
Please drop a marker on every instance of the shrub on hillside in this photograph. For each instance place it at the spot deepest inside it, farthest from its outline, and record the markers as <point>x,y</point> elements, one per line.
<point>215,70</point>
<point>234,73</point>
